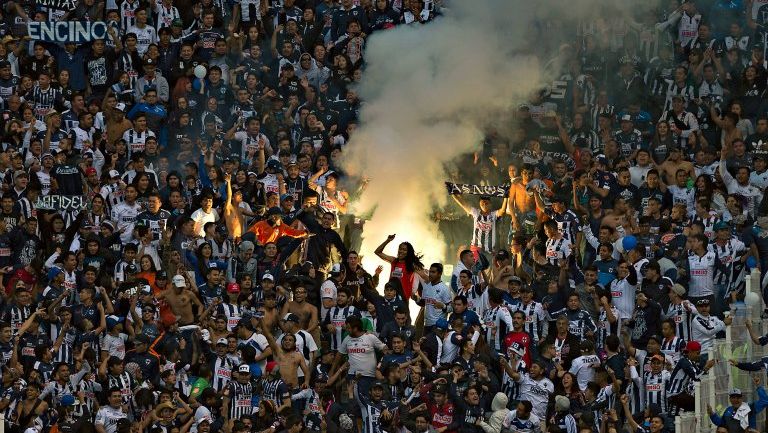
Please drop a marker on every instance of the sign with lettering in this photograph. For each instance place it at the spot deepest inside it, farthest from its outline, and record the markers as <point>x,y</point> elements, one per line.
<point>66,31</point>
<point>66,5</point>
<point>467,188</point>
<point>62,202</point>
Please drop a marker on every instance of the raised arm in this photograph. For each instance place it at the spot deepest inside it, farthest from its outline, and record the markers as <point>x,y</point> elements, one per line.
<point>461,203</point>
<point>380,250</point>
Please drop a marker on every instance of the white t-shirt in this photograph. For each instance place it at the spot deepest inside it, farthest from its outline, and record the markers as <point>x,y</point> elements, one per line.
<point>115,345</point>
<point>362,353</point>
<point>144,37</point>
<point>327,291</point>
<point>201,218</point>
<point>583,368</point>
<point>537,392</point>
<point>108,416</point>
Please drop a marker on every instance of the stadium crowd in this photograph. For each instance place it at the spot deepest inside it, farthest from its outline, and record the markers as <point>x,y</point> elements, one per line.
<point>179,249</point>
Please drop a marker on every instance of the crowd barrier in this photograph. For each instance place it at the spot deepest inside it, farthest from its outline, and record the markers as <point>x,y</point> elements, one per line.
<point>714,386</point>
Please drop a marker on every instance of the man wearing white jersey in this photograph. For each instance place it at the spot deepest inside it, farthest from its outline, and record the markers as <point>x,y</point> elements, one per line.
<point>484,227</point>
<point>705,327</point>
<point>534,385</point>
<point>360,348</point>
<point>698,269</point>
<point>623,289</point>
<point>108,416</point>
<point>125,214</point>
<point>437,297</point>
<point>146,35</point>
<point>740,184</point>
<point>584,366</point>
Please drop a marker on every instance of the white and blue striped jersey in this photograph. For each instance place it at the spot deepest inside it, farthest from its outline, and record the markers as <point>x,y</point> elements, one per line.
<point>484,229</point>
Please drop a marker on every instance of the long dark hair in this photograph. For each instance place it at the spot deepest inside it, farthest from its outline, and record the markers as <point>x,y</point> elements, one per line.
<point>708,187</point>
<point>412,260</point>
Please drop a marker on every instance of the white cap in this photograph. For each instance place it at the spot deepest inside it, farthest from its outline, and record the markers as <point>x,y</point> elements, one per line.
<point>267,276</point>
<point>114,173</point>
<point>120,106</point>
<point>179,281</point>
<point>221,340</point>
<point>244,368</point>
<point>336,268</point>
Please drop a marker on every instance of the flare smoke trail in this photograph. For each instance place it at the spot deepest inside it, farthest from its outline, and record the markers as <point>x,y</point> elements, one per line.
<point>429,92</point>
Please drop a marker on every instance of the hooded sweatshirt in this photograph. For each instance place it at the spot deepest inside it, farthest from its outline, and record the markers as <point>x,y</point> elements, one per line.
<point>499,407</point>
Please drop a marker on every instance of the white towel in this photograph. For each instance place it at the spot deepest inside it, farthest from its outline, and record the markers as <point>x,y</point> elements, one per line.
<point>742,415</point>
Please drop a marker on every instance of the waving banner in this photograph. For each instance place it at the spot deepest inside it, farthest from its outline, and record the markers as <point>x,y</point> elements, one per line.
<point>66,31</point>
<point>467,188</point>
<point>62,202</point>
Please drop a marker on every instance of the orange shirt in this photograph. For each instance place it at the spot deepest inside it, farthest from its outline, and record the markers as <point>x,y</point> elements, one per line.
<point>266,233</point>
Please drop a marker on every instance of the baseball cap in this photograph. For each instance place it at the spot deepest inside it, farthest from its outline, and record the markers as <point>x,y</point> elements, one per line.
<point>270,367</point>
<point>657,357</point>
<point>285,197</point>
<point>734,391</point>
<point>515,279</point>
<point>54,272</point>
<point>693,346</point>
<point>336,268</point>
<point>721,225</point>
<point>67,400</point>
<point>290,317</point>
<point>441,323</point>
<point>704,301</point>
<point>233,288</point>
<point>179,281</point>
<point>378,384</point>
<point>120,107</point>
<point>161,275</point>
<point>626,118</point>
<point>244,368</point>
<point>114,173</point>
<point>267,276</point>
<point>221,341</point>
<point>678,289</point>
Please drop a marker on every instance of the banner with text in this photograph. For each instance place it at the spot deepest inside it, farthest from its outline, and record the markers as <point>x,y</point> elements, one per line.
<point>62,202</point>
<point>468,188</point>
<point>66,5</point>
<point>67,31</point>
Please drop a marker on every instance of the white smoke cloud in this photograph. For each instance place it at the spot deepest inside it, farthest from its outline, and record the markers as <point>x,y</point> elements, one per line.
<point>429,92</point>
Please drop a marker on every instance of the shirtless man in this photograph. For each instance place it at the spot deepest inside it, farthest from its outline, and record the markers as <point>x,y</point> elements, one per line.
<point>621,215</point>
<point>307,313</point>
<point>234,215</point>
<point>219,328</point>
<point>30,408</point>
<point>181,300</point>
<point>520,201</point>
<point>501,270</point>
<point>673,163</point>
<point>271,314</point>
<point>288,359</point>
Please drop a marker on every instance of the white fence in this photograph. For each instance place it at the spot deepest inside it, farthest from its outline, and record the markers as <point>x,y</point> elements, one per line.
<point>714,386</point>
